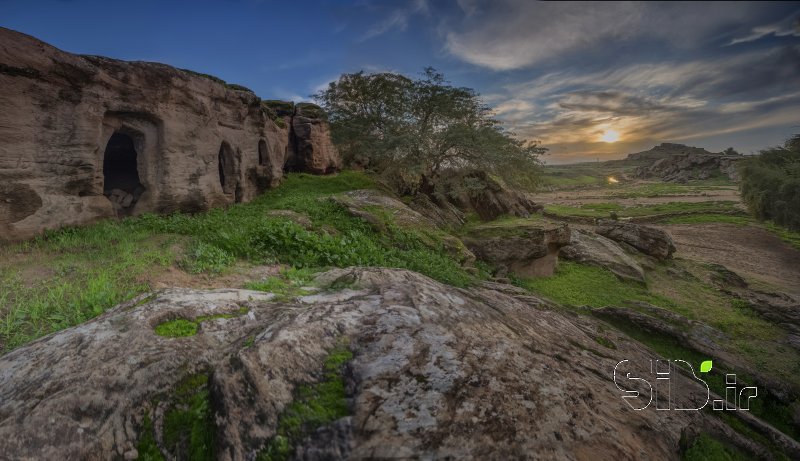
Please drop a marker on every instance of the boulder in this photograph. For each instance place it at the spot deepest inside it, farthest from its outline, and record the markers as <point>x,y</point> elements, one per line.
<point>647,239</point>
<point>526,248</point>
<point>495,199</point>
<point>590,248</point>
<point>88,137</point>
<point>431,372</point>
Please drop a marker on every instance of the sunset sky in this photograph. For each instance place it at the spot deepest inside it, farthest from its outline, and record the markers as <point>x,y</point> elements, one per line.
<point>572,75</point>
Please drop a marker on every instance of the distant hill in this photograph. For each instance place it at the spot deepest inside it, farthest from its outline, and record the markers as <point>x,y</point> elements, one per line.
<point>680,163</point>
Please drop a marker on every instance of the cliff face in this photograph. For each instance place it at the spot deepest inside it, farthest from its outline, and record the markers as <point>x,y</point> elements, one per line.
<point>86,137</point>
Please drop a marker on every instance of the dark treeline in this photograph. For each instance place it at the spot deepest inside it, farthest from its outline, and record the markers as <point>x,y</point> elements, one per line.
<point>771,184</point>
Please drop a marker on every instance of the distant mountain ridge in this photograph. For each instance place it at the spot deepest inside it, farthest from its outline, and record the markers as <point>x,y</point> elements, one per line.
<point>680,163</point>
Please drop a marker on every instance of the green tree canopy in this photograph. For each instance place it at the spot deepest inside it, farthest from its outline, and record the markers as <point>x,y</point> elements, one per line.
<point>770,184</point>
<point>417,132</point>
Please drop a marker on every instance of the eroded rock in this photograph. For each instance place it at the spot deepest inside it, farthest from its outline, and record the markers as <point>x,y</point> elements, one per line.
<point>647,239</point>
<point>437,372</point>
<point>590,248</point>
<point>526,249</point>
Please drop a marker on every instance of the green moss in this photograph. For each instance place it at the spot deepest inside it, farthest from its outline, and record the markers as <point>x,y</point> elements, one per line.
<point>147,447</point>
<point>188,425</point>
<point>182,327</point>
<point>706,448</point>
<point>602,210</point>
<point>577,284</point>
<point>315,405</point>
<point>176,328</point>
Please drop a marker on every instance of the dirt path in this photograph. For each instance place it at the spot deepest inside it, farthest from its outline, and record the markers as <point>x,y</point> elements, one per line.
<point>747,250</point>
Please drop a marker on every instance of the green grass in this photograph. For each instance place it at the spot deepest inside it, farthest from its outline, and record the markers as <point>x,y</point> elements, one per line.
<point>179,328</point>
<point>314,406</point>
<point>147,446</point>
<point>176,328</point>
<point>602,210</point>
<point>706,448</point>
<point>68,276</point>
<point>662,189</point>
<point>286,285</point>
<point>577,284</point>
<point>188,424</point>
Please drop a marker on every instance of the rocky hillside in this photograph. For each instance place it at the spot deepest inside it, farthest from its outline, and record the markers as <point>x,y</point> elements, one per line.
<point>87,137</point>
<point>679,163</point>
<point>389,363</point>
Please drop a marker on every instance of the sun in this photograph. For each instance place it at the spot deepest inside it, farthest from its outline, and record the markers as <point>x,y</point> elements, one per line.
<point>610,136</point>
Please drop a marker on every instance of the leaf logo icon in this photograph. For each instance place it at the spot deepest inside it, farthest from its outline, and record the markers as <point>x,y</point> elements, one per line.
<point>705,367</point>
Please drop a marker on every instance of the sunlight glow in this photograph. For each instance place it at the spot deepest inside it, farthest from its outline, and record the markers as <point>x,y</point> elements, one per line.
<point>610,136</point>
<point>612,180</point>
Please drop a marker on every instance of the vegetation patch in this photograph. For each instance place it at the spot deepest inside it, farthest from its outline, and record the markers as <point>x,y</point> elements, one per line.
<point>182,327</point>
<point>315,405</point>
<point>68,276</point>
<point>147,446</point>
<point>706,448</point>
<point>288,284</point>
<point>188,424</point>
<point>176,328</point>
<point>576,284</point>
<point>603,210</point>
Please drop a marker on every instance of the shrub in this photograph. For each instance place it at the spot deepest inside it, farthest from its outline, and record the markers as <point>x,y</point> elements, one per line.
<point>771,184</point>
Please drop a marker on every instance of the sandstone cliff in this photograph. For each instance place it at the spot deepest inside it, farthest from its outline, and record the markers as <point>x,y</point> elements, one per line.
<point>87,137</point>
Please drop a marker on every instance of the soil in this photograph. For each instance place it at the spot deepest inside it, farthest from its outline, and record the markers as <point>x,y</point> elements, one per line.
<point>749,251</point>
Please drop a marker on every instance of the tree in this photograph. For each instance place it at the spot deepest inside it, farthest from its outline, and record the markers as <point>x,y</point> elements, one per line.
<point>770,184</point>
<point>417,132</point>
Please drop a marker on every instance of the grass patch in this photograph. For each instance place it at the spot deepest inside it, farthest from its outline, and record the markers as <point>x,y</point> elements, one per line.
<point>288,284</point>
<point>602,210</point>
<point>147,446</point>
<point>176,328</point>
<point>706,448</point>
<point>188,424</point>
<point>315,405</point>
<point>576,284</point>
<point>66,277</point>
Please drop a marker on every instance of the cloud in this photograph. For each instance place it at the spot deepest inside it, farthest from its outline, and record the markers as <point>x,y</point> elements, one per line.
<point>515,34</point>
<point>789,27</point>
<point>397,19</point>
<point>656,102</point>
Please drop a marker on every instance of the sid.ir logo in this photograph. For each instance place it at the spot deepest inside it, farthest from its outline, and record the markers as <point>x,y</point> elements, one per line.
<point>639,392</point>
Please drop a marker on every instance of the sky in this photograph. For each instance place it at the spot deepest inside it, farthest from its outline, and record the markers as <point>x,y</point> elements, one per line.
<point>571,75</point>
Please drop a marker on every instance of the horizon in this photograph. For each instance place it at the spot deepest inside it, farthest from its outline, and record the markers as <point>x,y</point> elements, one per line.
<point>705,75</point>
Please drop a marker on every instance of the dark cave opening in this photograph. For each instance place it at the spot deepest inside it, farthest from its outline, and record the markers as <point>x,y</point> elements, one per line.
<point>121,182</point>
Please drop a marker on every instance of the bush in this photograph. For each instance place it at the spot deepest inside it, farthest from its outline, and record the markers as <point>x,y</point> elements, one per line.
<point>771,184</point>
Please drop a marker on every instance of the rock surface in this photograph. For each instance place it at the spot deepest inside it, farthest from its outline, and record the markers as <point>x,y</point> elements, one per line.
<point>679,163</point>
<point>437,372</point>
<point>590,248</point>
<point>87,137</point>
<point>528,249</point>
<point>649,240</point>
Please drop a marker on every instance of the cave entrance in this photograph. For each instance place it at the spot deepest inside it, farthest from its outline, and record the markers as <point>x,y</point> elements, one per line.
<point>227,173</point>
<point>263,159</point>
<point>121,182</point>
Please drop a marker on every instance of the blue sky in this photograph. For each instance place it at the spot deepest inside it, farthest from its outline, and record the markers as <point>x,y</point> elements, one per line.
<point>706,74</point>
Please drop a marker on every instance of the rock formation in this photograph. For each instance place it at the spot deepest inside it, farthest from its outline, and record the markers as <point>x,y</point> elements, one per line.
<point>590,248</point>
<point>87,137</point>
<point>435,372</point>
<point>649,240</point>
<point>679,163</point>
<point>526,249</point>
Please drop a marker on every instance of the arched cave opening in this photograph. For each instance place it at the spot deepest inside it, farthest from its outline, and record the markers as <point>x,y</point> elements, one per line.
<point>121,182</point>
<point>263,159</point>
<point>227,175</point>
